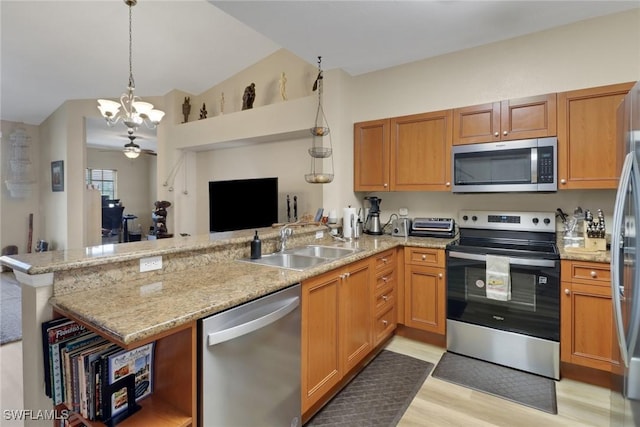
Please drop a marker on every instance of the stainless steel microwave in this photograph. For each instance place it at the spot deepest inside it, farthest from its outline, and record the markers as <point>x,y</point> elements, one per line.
<point>509,166</point>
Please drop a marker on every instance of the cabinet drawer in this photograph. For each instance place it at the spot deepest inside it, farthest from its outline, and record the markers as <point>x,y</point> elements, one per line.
<point>384,299</point>
<point>425,256</point>
<point>594,273</point>
<point>385,278</point>
<point>385,324</point>
<point>384,260</point>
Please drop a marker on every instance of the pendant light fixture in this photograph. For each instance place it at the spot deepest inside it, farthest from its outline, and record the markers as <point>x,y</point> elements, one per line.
<point>320,174</point>
<point>130,110</point>
<point>131,149</point>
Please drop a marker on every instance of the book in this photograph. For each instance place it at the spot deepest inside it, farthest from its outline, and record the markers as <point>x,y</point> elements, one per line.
<point>46,326</point>
<point>68,350</point>
<point>139,362</point>
<point>87,377</point>
<point>56,335</point>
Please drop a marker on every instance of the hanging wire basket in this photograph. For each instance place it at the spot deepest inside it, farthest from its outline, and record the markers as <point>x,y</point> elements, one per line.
<point>320,155</point>
<point>320,152</point>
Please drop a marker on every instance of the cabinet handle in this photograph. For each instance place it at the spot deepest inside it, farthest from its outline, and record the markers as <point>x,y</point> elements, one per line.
<point>505,133</point>
<point>385,298</point>
<point>384,260</point>
<point>385,323</point>
<point>594,274</point>
<point>447,184</point>
<point>385,185</point>
<point>563,181</point>
<point>346,275</point>
<point>424,257</point>
<point>567,292</point>
<point>496,134</point>
<point>440,276</point>
<point>385,279</point>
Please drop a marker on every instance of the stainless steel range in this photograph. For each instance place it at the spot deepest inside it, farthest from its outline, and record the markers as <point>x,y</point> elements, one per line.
<point>503,290</point>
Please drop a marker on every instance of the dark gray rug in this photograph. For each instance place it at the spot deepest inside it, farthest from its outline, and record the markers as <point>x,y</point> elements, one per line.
<point>10,309</point>
<point>378,396</point>
<point>520,387</point>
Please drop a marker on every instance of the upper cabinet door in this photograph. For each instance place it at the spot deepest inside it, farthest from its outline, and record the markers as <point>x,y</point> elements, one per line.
<point>421,152</point>
<point>371,155</point>
<point>522,118</point>
<point>589,150</point>
<point>531,117</point>
<point>476,124</point>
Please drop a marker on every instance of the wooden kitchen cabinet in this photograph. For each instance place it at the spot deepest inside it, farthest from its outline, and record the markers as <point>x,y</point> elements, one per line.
<point>371,155</point>
<point>425,289</point>
<point>530,117</point>
<point>408,153</point>
<point>586,317</point>
<point>385,295</point>
<point>336,328</point>
<point>589,147</point>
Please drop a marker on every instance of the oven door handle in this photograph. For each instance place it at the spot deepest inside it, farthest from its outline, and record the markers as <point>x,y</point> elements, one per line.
<point>513,261</point>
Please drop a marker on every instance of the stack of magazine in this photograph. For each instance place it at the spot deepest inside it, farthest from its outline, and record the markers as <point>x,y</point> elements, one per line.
<point>79,367</point>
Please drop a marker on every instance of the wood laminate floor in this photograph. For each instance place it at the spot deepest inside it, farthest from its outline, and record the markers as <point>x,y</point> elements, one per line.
<point>438,403</point>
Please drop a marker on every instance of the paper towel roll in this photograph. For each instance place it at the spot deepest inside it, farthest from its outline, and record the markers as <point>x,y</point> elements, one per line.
<point>347,214</point>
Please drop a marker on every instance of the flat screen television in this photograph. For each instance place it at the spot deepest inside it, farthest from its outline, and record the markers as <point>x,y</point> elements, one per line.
<point>240,204</point>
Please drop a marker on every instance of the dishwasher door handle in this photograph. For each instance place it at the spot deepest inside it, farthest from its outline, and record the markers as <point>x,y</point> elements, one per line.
<point>253,325</point>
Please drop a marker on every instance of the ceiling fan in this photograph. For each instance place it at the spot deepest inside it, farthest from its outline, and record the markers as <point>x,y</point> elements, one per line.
<point>133,150</point>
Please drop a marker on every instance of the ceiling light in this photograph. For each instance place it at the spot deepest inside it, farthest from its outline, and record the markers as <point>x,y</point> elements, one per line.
<point>131,149</point>
<point>131,110</point>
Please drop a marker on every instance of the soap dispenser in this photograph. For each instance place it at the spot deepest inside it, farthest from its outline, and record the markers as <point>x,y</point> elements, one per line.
<point>256,247</point>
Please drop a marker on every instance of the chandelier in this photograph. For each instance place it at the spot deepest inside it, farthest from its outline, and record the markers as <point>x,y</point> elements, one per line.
<point>134,112</point>
<point>131,149</point>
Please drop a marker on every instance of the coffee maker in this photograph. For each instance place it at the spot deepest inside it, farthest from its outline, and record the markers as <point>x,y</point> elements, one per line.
<point>372,223</point>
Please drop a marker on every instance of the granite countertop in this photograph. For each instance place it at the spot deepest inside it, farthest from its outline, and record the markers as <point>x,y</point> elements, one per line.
<point>134,310</point>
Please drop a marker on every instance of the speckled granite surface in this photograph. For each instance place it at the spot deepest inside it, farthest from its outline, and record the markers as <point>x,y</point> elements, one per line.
<point>201,276</point>
<point>193,286</point>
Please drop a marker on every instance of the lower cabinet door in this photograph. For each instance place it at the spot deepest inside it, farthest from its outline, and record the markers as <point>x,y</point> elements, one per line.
<point>425,298</point>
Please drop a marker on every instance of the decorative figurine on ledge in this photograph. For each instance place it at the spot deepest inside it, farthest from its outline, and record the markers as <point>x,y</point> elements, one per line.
<point>203,112</point>
<point>222,103</point>
<point>283,88</point>
<point>186,108</point>
<point>249,96</point>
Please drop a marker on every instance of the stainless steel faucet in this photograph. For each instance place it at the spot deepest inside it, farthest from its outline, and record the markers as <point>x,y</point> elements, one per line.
<point>287,231</point>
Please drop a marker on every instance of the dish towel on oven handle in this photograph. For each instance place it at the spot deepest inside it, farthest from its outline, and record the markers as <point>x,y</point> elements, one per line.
<point>498,278</point>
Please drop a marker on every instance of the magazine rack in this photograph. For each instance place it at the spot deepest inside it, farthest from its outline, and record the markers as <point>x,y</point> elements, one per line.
<point>128,381</point>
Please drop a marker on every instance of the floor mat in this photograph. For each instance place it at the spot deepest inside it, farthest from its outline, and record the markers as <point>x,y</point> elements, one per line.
<point>520,387</point>
<point>378,396</point>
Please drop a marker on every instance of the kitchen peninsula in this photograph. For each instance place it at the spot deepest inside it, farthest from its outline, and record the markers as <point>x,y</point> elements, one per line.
<point>102,288</point>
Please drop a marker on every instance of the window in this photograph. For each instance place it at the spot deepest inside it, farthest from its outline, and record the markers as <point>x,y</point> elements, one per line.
<point>104,180</point>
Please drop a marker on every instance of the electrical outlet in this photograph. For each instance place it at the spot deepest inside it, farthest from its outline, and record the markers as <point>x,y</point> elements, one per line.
<point>150,263</point>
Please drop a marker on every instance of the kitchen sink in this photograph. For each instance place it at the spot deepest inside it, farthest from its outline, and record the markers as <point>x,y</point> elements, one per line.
<point>303,258</point>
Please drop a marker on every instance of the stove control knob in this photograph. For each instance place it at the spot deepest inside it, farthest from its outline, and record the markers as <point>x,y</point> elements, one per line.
<point>465,218</point>
<point>474,218</point>
<point>535,221</point>
<point>547,221</point>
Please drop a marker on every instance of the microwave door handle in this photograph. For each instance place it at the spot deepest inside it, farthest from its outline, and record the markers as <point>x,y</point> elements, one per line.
<point>512,261</point>
<point>534,165</point>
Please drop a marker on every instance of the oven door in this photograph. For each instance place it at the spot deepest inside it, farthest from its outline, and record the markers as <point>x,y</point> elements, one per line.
<point>533,307</point>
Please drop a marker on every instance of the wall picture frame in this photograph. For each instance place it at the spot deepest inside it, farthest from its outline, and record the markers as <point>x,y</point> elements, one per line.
<point>57,175</point>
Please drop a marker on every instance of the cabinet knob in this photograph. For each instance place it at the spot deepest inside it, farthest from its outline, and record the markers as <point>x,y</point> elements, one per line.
<point>346,275</point>
<point>385,323</point>
<point>440,276</point>
<point>385,185</point>
<point>385,298</point>
<point>567,292</point>
<point>385,279</point>
<point>504,133</point>
<point>424,257</point>
<point>563,181</point>
<point>384,260</point>
<point>496,134</point>
<point>594,274</point>
<point>448,184</point>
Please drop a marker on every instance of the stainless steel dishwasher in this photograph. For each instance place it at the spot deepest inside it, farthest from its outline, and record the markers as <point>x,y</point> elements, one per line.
<point>250,363</point>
